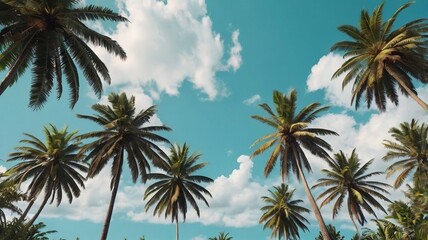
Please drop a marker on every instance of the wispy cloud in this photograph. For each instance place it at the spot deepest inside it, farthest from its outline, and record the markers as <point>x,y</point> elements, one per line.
<point>252,100</point>
<point>235,59</point>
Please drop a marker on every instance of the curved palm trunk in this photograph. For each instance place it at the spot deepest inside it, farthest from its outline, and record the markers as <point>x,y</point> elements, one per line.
<point>176,227</point>
<point>314,205</point>
<point>24,214</point>
<point>355,225</point>
<point>408,90</point>
<point>112,199</point>
<point>38,211</point>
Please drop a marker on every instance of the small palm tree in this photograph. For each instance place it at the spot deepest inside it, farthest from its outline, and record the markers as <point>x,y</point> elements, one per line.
<point>125,136</point>
<point>348,180</point>
<point>411,148</point>
<point>221,236</point>
<point>291,135</point>
<point>178,186</point>
<point>380,58</point>
<point>54,166</point>
<point>51,36</point>
<point>385,230</point>
<point>282,214</point>
<point>9,194</point>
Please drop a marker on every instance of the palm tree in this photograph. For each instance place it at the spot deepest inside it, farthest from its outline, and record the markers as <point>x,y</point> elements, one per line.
<point>385,230</point>
<point>282,214</point>
<point>125,134</point>
<point>380,58</point>
<point>9,194</point>
<point>51,35</point>
<point>178,186</point>
<point>221,236</point>
<point>53,167</point>
<point>411,148</point>
<point>290,137</point>
<point>348,180</point>
<point>334,234</point>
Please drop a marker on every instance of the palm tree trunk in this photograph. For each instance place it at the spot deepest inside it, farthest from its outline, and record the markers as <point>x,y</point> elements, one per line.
<point>38,211</point>
<point>176,227</point>
<point>24,214</point>
<point>408,90</point>
<point>112,199</point>
<point>314,205</point>
<point>355,225</point>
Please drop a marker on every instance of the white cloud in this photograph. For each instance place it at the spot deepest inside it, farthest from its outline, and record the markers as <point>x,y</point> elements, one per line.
<point>2,169</point>
<point>235,59</point>
<point>320,78</point>
<point>252,100</point>
<point>199,238</point>
<point>167,43</point>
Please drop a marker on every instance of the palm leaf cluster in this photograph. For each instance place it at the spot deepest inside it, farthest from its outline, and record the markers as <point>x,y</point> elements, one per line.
<point>51,36</point>
<point>283,214</point>
<point>381,59</point>
<point>348,179</point>
<point>410,147</point>
<point>53,166</point>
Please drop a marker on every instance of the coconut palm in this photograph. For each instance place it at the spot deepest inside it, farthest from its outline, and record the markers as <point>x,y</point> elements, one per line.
<point>292,134</point>
<point>385,230</point>
<point>126,135</point>
<point>381,59</point>
<point>178,186</point>
<point>348,180</point>
<point>282,214</point>
<point>411,149</point>
<point>50,35</point>
<point>221,236</point>
<point>53,166</point>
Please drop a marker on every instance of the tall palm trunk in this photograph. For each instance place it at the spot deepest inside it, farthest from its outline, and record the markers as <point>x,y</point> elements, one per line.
<point>45,200</point>
<point>314,205</point>
<point>176,227</point>
<point>113,198</point>
<point>408,90</point>
<point>24,214</point>
<point>355,225</point>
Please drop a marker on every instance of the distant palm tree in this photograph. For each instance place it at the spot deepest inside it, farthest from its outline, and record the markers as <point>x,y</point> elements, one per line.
<point>9,195</point>
<point>380,58</point>
<point>411,148</point>
<point>54,167</point>
<point>385,230</point>
<point>292,134</point>
<point>125,136</point>
<point>221,236</point>
<point>282,214</point>
<point>178,186</point>
<point>348,180</point>
<point>51,36</point>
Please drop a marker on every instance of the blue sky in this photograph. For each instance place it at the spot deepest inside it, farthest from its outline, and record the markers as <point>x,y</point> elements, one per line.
<point>206,64</point>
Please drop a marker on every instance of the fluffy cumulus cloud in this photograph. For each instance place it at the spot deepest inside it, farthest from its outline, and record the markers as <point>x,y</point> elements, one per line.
<point>252,100</point>
<point>236,201</point>
<point>168,42</point>
<point>320,78</point>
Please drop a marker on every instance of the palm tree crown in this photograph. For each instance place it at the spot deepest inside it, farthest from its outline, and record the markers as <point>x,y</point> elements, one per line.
<point>51,35</point>
<point>54,166</point>
<point>124,131</point>
<point>411,147</point>
<point>221,236</point>
<point>282,214</point>
<point>347,179</point>
<point>178,186</point>
<point>380,58</point>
